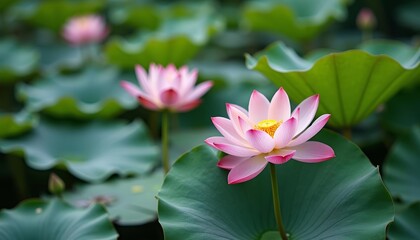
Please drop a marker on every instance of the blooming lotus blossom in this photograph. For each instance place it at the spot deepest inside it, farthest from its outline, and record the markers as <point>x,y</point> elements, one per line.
<point>268,133</point>
<point>167,88</point>
<point>85,29</point>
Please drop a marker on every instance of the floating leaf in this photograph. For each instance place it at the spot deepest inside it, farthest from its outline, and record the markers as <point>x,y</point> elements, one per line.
<point>402,112</point>
<point>406,224</point>
<point>16,61</point>
<point>36,219</point>
<point>57,56</point>
<point>129,201</point>
<point>54,14</point>
<point>335,199</point>
<point>91,151</point>
<point>297,19</point>
<point>93,93</point>
<point>402,166</point>
<point>351,84</point>
<point>176,41</point>
<point>15,124</point>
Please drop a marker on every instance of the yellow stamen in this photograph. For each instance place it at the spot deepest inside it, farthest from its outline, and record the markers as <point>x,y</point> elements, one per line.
<point>269,126</point>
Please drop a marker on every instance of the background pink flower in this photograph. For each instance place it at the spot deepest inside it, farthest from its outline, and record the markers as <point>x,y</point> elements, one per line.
<point>167,88</point>
<point>268,132</point>
<point>85,29</point>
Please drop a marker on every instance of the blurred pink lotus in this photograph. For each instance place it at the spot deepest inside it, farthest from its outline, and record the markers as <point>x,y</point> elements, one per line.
<point>85,29</point>
<point>167,88</point>
<point>366,20</point>
<point>268,133</point>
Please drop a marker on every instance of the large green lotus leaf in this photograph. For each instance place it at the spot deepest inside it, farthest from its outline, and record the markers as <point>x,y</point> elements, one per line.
<point>16,60</point>
<point>335,199</point>
<point>58,56</point>
<point>129,201</point>
<point>15,124</point>
<point>176,41</point>
<point>402,112</point>
<point>406,223</point>
<point>296,19</point>
<point>91,151</point>
<point>402,166</point>
<point>50,220</point>
<point>93,93</point>
<point>351,83</point>
<point>54,14</point>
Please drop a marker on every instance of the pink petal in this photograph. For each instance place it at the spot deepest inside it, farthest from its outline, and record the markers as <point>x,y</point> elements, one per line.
<point>311,131</point>
<point>142,78</point>
<point>260,140</point>
<point>147,103</point>
<point>229,161</point>
<point>198,91</point>
<point>235,114</point>
<point>131,88</point>
<point>279,108</point>
<point>169,97</point>
<point>258,107</point>
<point>226,128</point>
<point>281,156</point>
<point>247,170</point>
<point>187,106</point>
<point>244,125</point>
<point>313,152</point>
<point>188,79</point>
<point>224,145</point>
<point>307,112</point>
<point>285,132</point>
<point>236,150</point>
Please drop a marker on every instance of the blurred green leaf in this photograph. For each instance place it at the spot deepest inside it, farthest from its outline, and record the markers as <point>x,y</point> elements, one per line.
<point>408,15</point>
<point>176,41</point>
<point>128,201</point>
<point>93,93</point>
<point>16,60</point>
<point>91,151</point>
<point>15,124</point>
<point>406,224</point>
<point>351,83</point>
<point>54,14</point>
<point>402,166</point>
<point>335,199</point>
<point>5,4</point>
<point>297,19</point>
<point>402,112</point>
<point>36,219</point>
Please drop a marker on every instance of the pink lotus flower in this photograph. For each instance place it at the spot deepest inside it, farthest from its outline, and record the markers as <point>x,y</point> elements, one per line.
<point>167,88</point>
<point>85,29</point>
<point>268,133</point>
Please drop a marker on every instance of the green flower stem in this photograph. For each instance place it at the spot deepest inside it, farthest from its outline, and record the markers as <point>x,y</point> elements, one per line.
<point>276,201</point>
<point>165,152</point>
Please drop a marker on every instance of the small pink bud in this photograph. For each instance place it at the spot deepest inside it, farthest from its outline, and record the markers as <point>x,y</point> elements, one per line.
<point>366,20</point>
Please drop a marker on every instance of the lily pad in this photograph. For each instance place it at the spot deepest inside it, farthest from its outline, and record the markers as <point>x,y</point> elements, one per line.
<point>402,166</point>
<point>58,56</point>
<point>176,41</point>
<point>54,14</point>
<point>16,61</point>
<point>406,223</point>
<point>93,93</point>
<point>335,199</point>
<point>351,83</point>
<point>296,19</point>
<point>128,201</point>
<point>15,124</point>
<point>91,151</point>
<point>36,219</point>
<point>401,112</point>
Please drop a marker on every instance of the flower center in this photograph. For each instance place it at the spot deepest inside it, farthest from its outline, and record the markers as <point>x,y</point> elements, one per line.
<point>269,126</point>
